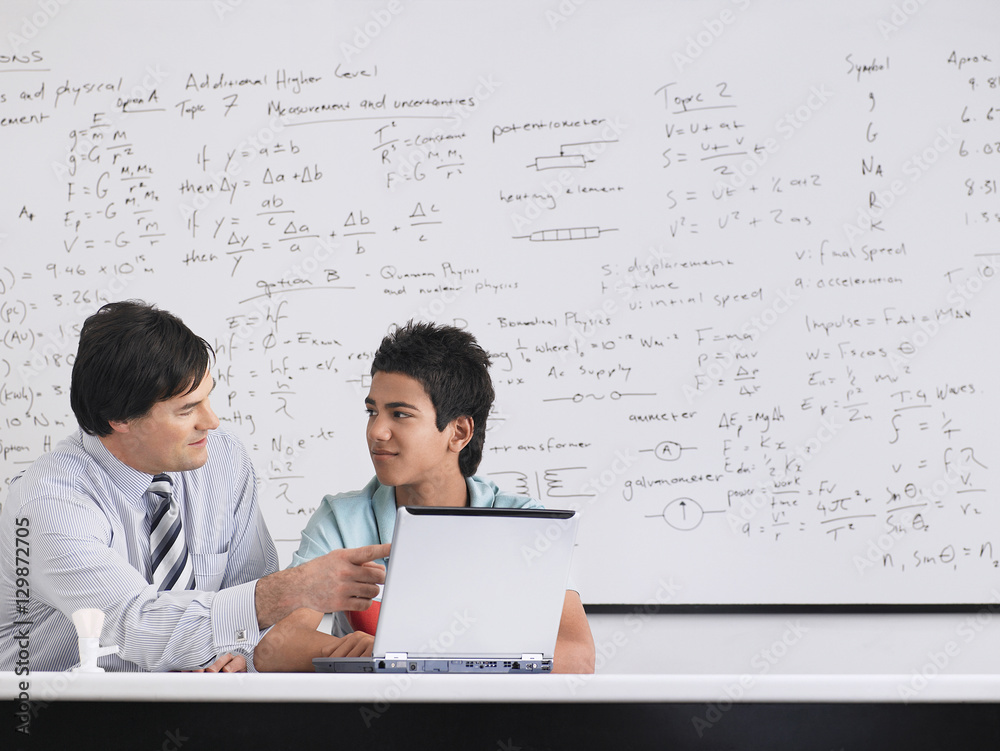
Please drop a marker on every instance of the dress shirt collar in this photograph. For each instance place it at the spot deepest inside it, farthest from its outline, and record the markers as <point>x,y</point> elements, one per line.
<point>132,483</point>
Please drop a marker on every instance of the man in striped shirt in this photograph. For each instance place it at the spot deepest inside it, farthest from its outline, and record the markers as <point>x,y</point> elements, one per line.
<point>75,528</point>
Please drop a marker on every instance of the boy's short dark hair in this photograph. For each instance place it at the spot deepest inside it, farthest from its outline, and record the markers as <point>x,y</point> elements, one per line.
<point>132,355</point>
<point>454,371</point>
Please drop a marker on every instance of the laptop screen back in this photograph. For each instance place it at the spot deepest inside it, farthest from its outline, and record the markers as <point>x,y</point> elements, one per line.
<point>475,582</point>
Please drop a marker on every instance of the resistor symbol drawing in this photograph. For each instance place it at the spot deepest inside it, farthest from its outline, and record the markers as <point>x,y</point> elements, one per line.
<point>566,233</point>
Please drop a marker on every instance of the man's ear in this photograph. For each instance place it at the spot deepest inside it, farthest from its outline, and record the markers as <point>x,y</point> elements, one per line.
<point>120,426</point>
<point>461,433</point>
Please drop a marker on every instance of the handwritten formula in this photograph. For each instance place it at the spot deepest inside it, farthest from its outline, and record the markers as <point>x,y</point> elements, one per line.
<point>737,273</point>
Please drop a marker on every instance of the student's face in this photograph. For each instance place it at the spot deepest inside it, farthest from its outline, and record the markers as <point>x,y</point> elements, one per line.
<point>404,443</point>
<point>173,436</point>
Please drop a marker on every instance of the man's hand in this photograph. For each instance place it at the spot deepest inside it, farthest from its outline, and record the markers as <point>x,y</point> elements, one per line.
<point>340,580</point>
<point>228,663</point>
<point>346,579</point>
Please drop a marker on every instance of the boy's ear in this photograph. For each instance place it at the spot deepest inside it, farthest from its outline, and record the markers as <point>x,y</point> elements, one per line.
<point>461,433</point>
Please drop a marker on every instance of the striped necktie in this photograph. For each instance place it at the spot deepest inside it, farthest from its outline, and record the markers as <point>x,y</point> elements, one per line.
<point>170,565</point>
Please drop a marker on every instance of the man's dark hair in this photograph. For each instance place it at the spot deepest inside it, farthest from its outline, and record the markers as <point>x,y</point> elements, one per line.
<point>132,355</point>
<point>454,371</point>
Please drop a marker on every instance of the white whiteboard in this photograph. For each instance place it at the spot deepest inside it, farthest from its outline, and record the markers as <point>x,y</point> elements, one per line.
<point>736,261</point>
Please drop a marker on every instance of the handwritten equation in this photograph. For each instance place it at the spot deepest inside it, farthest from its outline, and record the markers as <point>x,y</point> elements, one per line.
<point>739,305</point>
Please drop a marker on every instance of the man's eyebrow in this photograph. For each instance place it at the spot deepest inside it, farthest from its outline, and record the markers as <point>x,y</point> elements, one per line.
<point>189,405</point>
<point>196,402</point>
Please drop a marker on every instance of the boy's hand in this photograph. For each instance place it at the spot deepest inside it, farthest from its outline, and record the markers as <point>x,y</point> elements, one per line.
<point>357,644</point>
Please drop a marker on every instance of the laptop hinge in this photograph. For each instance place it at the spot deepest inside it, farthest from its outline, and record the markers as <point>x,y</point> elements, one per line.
<point>395,655</point>
<point>537,656</point>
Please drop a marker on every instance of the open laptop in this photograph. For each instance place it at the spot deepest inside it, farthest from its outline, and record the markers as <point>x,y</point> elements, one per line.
<point>470,590</point>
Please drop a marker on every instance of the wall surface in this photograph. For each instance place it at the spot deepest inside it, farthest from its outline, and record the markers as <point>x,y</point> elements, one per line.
<point>734,262</point>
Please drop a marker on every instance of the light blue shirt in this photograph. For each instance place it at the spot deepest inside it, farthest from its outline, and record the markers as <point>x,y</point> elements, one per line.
<point>79,515</point>
<point>368,516</point>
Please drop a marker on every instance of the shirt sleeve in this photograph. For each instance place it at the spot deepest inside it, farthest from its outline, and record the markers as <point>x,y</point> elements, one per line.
<point>252,555</point>
<point>80,550</point>
<point>156,631</point>
<point>320,536</point>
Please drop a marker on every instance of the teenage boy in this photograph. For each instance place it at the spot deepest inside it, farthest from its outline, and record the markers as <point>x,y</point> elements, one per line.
<point>149,513</point>
<point>427,406</point>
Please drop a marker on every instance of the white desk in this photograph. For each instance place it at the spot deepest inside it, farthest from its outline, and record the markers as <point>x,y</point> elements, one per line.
<point>180,712</point>
<point>183,687</point>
